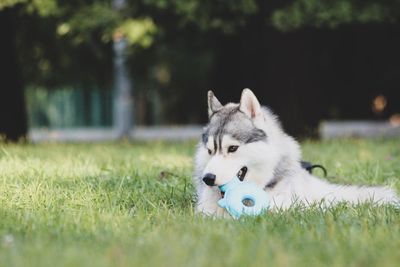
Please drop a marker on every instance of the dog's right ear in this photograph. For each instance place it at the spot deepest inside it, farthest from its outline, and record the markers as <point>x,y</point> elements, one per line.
<point>213,103</point>
<point>249,104</point>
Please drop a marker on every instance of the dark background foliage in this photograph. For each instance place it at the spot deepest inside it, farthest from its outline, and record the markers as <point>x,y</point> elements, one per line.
<point>308,60</point>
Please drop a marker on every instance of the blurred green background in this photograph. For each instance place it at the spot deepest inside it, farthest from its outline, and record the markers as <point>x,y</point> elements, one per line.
<point>308,60</point>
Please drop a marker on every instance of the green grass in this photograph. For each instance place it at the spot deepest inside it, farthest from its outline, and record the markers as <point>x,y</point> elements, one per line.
<point>108,205</point>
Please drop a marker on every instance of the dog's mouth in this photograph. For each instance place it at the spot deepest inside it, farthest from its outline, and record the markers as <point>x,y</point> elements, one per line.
<point>241,174</point>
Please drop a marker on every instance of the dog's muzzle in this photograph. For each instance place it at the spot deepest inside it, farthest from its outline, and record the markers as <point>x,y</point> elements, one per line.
<point>209,178</point>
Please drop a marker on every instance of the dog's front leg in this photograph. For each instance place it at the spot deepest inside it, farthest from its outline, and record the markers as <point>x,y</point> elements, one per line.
<point>207,202</point>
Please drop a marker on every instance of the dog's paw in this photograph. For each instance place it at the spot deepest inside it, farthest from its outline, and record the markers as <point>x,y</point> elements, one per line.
<point>211,210</point>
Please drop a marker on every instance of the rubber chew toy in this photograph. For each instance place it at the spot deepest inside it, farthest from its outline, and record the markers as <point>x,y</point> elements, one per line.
<point>243,198</point>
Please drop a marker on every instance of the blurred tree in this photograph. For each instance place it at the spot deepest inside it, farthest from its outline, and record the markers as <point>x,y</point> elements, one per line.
<point>331,14</point>
<point>123,107</point>
<point>52,43</point>
<point>13,125</point>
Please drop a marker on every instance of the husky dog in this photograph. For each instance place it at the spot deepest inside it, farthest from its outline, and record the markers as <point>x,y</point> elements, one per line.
<point>246,140</point>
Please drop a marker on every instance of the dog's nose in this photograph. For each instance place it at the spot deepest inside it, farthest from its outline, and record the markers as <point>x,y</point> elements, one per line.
<point>209,179</point>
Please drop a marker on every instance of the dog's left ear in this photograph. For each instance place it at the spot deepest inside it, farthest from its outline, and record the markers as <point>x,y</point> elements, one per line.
<point>213,103</point>
<point>249,104</point>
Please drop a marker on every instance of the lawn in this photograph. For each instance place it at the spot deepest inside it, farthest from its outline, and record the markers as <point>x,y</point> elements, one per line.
<point>131,204</point>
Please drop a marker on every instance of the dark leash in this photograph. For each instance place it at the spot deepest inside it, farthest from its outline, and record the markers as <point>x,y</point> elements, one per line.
<point>309,167</point>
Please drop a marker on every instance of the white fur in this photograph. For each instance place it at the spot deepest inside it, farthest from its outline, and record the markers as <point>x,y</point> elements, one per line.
<point>297,186</point>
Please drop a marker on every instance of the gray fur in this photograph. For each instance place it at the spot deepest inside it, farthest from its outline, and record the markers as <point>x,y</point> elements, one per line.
<point>231,121</point>
<point>213,103</point>
<point>285,168</point>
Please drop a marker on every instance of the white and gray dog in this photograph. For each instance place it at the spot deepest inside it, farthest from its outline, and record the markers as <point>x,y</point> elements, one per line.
<point>246,140</point>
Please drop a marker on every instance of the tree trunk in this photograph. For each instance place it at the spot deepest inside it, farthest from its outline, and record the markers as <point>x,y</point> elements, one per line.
<point>123,104</point>
<point>13,120</point>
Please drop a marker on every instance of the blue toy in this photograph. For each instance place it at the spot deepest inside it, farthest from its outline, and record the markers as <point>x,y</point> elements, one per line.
<point>243,198</point>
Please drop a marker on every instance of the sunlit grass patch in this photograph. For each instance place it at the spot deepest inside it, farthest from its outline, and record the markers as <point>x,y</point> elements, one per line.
<point>131,204</point>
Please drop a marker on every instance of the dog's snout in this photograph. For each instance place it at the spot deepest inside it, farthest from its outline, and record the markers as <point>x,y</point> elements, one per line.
<point>209,179</point>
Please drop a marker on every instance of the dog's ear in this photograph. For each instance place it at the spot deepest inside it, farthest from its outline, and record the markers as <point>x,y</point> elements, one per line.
<point>249,104</point>
<point>213,103</point>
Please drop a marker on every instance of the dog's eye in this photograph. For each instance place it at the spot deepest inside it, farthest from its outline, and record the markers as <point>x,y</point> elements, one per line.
<point>232,149</point>
<point>209,151</point>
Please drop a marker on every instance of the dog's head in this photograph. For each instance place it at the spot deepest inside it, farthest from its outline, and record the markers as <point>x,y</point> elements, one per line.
<point>236,142</point>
